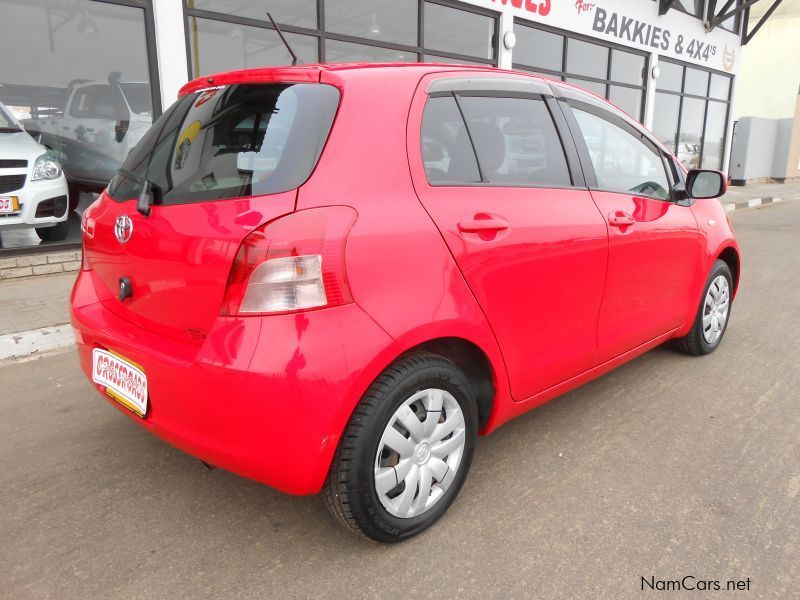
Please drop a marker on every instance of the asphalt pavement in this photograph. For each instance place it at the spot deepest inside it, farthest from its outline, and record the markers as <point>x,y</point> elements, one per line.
<point>670,466</point>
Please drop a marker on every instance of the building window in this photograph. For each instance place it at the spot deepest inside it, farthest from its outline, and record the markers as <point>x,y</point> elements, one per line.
<point>81,78</point>
<point>233,34</point>
<point>691,113</point>
<point>609,71</point>
<point>223,46</point>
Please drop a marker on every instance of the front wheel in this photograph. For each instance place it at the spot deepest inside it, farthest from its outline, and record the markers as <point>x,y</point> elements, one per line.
<point>713,314</point>
<point>406,451</point>
<point>54,233</point>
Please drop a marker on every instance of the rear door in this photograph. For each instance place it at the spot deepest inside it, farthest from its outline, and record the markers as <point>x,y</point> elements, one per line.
<point>503,187</point>
<point>221,161</point>
<point>654,245</point>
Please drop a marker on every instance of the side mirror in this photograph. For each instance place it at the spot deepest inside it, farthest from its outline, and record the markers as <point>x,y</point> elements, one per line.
<point>701,183</point>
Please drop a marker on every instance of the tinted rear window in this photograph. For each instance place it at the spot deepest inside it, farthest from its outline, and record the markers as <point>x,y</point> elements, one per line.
<point>516,141</point>
<point>231,142</point>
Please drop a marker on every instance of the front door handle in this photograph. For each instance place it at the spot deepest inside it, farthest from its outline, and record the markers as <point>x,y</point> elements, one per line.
<point>620,218</point>
<point>478,225</point>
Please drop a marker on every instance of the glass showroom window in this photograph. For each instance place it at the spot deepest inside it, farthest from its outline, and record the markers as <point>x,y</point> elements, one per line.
<point>611,72</point>
<point>229,34</point>
<point>691,113</point>
<point>87,106</point>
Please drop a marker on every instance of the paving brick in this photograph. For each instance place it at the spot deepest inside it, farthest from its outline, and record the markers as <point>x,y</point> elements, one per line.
<point>8,263</point>
<point>35,259</point>
<point>47,269</point>
<point>60,257</point>
<point>73,265</point>
<point>18,272</point>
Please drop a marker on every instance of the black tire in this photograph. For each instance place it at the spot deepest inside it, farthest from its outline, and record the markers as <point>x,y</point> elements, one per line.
<point>350,490</point>
<point>694,343</point>
<point>56,233</point>
<point>74,192</point>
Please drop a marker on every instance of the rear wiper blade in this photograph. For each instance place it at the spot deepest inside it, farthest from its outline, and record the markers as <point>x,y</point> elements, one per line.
<point>147,194</point>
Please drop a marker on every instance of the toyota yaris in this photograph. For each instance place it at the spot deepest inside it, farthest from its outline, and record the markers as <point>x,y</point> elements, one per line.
<point>333,278</point>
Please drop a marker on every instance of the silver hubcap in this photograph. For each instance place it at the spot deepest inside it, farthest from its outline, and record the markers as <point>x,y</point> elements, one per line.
<point>419,453</point>
<point>715,309</point>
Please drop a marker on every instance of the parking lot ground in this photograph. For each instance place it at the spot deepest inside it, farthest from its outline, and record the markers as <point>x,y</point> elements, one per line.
<point>670,466</point>
<point>35,302</point>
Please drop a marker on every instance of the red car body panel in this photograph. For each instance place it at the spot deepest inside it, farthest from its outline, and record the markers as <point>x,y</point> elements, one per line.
<point>663,246</point>
<point>556,299</point>
<point>553,235</point>
<point>179,256</point>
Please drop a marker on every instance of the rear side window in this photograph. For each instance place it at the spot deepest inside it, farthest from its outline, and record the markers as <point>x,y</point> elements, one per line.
<point>516,141</point>
<point>230,142</point>
<point>446,150</point>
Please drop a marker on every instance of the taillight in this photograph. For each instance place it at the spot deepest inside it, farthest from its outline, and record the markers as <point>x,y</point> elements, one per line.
<point>86,232</point>
<point>293,263</point>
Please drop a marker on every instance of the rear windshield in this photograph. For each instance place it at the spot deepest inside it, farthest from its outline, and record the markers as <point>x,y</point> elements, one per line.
<point>230,142</point>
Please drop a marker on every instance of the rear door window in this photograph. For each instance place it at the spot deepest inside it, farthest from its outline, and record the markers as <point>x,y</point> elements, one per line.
<point>507,141</point>
<point>230,142</point>
<point>516,141</point>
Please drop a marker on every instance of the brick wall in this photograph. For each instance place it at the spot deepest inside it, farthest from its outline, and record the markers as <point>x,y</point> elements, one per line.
<point>39,264</point>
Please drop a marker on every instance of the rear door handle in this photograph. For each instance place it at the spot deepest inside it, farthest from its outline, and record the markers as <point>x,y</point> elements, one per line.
<point>480,225</point>
<point>620,218</point>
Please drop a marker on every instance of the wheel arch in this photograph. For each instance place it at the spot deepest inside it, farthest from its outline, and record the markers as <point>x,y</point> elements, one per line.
<point>473,362</point>
<point>730,256</point>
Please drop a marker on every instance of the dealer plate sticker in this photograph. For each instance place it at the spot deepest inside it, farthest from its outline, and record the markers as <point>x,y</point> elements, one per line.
<point>8,204</point>
<point>124,382</point>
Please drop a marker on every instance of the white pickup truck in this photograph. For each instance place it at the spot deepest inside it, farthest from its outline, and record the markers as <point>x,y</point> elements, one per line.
<point>100,123</point>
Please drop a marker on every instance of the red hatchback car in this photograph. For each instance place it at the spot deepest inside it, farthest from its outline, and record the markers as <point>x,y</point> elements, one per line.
<point>333,277</point>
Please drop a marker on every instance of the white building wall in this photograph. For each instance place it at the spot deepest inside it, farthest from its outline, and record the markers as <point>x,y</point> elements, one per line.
<point>171,47</point>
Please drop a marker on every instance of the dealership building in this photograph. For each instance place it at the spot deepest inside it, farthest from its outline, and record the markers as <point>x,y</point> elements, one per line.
<point>670,63</point>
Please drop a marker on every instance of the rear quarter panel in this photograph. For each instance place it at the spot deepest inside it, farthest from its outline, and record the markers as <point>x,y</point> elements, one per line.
<point>400,271</point>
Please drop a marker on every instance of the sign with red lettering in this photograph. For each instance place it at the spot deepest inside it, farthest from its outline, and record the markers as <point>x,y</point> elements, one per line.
<point>123,381</point>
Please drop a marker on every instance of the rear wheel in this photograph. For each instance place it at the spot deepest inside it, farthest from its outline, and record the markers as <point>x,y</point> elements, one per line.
<point>406,451</point>
<point>713,314</point>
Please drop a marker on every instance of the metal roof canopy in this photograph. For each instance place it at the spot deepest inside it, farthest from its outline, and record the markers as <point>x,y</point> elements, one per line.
<point>714,18</point>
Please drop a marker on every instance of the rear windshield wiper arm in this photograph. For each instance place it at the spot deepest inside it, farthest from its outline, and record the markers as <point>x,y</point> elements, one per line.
<point>146,193</point>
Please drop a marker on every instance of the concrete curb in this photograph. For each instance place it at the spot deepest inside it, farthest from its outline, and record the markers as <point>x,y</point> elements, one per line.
<point>752,203</point>
<point>26,345</point>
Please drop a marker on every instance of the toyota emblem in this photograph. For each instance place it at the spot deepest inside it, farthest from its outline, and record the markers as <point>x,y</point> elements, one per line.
<point>123,228</point>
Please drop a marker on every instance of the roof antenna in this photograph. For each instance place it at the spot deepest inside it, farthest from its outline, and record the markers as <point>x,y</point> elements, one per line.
<point>283,39</point>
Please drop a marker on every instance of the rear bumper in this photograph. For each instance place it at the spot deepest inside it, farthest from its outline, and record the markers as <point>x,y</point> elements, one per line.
<point>264,397</point>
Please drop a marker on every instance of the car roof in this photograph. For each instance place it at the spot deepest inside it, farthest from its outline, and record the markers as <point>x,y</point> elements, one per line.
<point>313,72</point>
